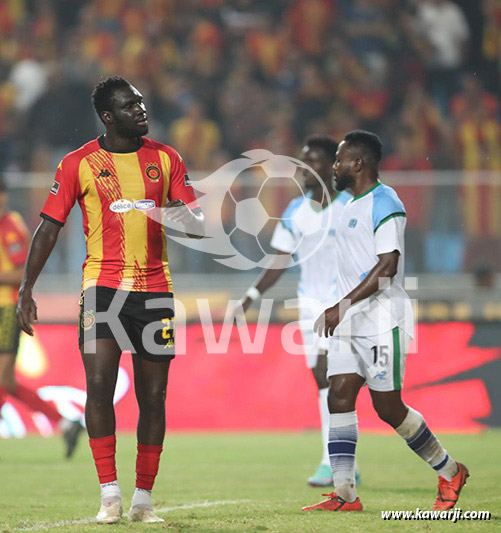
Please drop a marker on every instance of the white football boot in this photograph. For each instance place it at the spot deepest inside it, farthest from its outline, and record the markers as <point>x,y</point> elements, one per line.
<point>143,513</point>
<point>111,513</point>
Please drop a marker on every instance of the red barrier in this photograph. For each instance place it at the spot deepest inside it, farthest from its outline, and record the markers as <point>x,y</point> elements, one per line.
<point>272,390</point>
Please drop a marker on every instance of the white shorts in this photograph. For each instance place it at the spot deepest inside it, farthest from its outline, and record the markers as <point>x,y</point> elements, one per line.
<point>379,359</point>
<point>312,343</point>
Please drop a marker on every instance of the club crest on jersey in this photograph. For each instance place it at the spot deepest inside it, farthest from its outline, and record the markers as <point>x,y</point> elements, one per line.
<point>352,223</point>
<point>88,320</point>
<point>153,171</point>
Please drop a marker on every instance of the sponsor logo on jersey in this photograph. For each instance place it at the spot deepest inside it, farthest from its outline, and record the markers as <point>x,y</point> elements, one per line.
<point>352,223</point>
<point>88,320</point>
<point>121,206</point>
<point>55,187</point>
<point>144,205</point>
<point>152,171</point>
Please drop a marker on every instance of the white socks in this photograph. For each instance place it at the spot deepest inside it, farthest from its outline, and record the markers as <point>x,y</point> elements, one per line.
<point>423,442</point>
<point>110,493</point>
<point>324,419</point>
<point>343,437</point>
<point>142,497</point>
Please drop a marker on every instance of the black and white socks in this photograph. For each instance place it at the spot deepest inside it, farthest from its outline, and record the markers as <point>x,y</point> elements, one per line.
<point>343,437</point>
<point>423,442</point>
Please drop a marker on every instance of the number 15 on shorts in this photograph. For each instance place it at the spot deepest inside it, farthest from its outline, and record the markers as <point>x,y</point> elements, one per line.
<point>381,355</point>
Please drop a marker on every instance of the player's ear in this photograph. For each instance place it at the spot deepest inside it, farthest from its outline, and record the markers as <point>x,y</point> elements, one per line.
<point>107,117</point>
<point>358,164</point>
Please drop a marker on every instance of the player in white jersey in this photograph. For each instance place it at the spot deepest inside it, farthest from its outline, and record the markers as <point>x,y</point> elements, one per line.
<point>372,327</point>
<point>319,212</point>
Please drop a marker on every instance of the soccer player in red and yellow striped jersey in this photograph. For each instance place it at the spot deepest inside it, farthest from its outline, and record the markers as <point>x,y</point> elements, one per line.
<point>116,179</point>
<point>14,241</point>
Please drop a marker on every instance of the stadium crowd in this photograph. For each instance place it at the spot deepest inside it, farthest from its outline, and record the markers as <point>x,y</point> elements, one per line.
<point>225,76</point>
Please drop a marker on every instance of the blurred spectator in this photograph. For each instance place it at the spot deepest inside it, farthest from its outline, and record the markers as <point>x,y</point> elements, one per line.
<point>444,26</point>
<point>312,97</point>
<point>267,47</point>
<point>415,196</point>
<point>471,96</point>
<point>195,136</point>
<point>491,44</point>
<point>367,26</point>
<point>29,78</point>
<point>419,114</point>
<point>62,117</point>
<point>309,24</point>
<point>369,99</point>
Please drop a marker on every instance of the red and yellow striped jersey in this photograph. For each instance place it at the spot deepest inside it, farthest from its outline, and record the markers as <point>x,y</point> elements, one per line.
<point>14,243</point>
<point>125,248</point>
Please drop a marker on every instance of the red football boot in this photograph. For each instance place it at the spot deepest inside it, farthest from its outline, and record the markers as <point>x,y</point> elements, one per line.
<point>448,491</point>
<point>335,503</point>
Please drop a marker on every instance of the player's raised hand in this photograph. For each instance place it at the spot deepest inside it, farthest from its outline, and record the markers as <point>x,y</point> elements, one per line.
<point>26,312</point>
<point>327,322</point>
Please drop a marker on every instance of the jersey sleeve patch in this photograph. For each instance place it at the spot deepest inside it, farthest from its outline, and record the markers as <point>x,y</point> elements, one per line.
<point>386,205</point>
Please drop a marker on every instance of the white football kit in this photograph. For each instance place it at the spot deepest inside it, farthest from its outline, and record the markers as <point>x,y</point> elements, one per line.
<point>308,232</point>
<point>374,335</point>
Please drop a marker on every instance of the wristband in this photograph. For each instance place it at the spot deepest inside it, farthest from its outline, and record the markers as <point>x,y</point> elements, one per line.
<point>252,293</point>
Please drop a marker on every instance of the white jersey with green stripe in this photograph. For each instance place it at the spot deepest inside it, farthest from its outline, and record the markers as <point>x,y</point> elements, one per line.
<point>372,224</point>
<point>309,233</point>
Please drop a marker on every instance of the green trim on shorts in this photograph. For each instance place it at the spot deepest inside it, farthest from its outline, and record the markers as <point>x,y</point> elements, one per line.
<point>397,382</point>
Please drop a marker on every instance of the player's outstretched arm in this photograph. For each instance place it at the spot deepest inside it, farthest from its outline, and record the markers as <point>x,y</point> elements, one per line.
<point>384,269</point>
<point>268,277</point>
<point>42,244</point>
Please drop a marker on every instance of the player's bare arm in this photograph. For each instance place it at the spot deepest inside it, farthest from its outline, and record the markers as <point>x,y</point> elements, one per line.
<point>42,244</point>
<point>385,268</point>
<point>192,219</point>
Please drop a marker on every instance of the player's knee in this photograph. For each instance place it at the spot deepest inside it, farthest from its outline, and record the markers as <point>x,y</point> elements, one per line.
<point>386,412</point>
<point>152,400</point>
<point>339,401</point>
<point>341,397</point>
<point>99,389</point>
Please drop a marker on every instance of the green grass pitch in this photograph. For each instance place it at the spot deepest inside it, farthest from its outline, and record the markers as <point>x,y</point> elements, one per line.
<point>242,482</point>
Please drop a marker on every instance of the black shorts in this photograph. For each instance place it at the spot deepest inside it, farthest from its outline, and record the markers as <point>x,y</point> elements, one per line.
<point>9,330</point>
<point>146,331</point>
